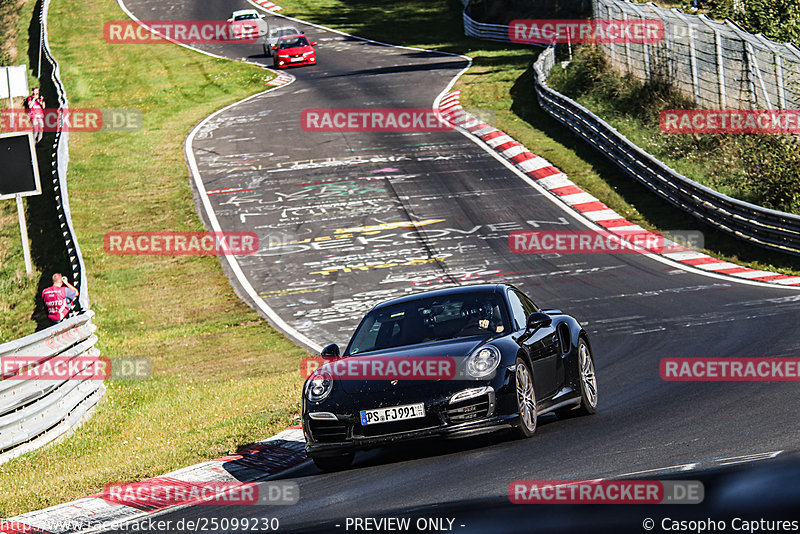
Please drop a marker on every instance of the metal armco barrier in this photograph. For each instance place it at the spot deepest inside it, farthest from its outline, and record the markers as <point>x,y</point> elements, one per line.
<point>35,412</point>
<point>482,30</point>
<point>767,228</point>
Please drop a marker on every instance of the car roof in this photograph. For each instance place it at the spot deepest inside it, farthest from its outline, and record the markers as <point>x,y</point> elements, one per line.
<point>477,288</point>
<point>290,36</point>
<point>245,12</point>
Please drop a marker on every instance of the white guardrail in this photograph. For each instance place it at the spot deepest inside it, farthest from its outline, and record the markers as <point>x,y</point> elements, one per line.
<point>771,229</point>
<point>35,412</point>
<point>482,30</point>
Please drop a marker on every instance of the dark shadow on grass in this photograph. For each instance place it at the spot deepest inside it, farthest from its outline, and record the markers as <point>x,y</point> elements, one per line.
<point>656,210</point>
<point>48,248</point>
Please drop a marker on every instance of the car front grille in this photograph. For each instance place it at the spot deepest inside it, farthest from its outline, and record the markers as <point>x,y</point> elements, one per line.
<point>385,429</point>
<point>328,431</point>
<point>468,410</point>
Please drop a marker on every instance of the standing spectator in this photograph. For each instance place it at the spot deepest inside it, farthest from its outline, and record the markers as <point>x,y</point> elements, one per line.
<point>59,299</point>
<point>35,106</point>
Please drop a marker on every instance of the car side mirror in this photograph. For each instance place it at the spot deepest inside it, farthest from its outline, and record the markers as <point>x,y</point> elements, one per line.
<point>331,351</point>
<point>537,320</point>
<point>275,47</point>
<point>313,43</point>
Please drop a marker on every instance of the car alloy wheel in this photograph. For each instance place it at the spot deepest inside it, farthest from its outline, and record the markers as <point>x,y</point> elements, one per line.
<point>588,378</point>
<point>588,384</point>
<point>526,399</point>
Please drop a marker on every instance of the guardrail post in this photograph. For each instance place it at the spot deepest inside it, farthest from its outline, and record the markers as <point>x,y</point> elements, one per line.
<point>721,89</point>
<point>645,44</point>
<point>778,64</point>
<point>692,55</point>
<point>753,70</point>
<point>627,45</point>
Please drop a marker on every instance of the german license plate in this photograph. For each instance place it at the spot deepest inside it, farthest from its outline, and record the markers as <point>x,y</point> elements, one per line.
<point>388,415</point>
<point>295,59</point>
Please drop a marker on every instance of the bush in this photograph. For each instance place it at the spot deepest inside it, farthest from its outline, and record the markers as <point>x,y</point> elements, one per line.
<point>771,166</point>
<point>777,19</point>
<point>759,168</point>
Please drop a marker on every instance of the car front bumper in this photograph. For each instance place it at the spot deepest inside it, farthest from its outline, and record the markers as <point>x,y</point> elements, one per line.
<point>334,433</point>
<point>461,430</point>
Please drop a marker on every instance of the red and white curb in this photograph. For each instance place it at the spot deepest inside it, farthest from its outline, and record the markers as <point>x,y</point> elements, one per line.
<point>557,183</point>
<point>98,512</point>
<point>281,79</point>
<point>266,4</point>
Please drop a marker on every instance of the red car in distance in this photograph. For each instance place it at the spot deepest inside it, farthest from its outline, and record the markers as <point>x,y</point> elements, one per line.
<point>294,50</point>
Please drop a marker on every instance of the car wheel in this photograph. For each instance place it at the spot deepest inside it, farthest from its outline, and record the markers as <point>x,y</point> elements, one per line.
<point>333,463</point>
<point>526,399</point>
<point>588,384</point>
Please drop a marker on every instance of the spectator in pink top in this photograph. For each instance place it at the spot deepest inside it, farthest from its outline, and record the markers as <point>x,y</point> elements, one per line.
<point>59,299</point>
<point>35,106</point>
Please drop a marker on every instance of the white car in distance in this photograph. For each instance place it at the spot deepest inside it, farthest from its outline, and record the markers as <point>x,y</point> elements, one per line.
<point>248,24</point>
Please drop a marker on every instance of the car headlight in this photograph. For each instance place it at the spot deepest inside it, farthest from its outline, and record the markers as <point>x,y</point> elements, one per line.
<point>483,361</point>
<point>307,53</point>
<point>319,386</point>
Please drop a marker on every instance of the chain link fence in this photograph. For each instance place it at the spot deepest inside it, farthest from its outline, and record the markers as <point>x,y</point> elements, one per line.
<point>718,64</point>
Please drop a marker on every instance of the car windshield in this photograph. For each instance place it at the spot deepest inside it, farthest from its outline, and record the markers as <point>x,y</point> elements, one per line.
<point>431,319</point>
<point>293,42</point>
<point>246,16</point>
<point>280,32</point>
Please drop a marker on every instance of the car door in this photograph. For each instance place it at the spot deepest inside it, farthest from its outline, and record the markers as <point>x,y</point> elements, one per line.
<point>542,347</point>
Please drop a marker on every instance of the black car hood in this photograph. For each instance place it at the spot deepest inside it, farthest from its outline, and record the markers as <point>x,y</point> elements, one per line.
<point>457,349</point>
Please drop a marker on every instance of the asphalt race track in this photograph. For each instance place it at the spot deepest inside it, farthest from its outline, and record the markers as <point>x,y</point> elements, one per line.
<point>338,208</point>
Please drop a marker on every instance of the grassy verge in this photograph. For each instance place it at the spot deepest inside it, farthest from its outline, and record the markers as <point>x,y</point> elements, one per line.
<point>501,81</point>
<point>222,377</point>
<point>17,289</point>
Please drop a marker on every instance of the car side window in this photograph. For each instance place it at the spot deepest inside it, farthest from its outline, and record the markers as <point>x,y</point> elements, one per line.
<point>517,309</point>
<point>528,304</point>
<point>522,307</point>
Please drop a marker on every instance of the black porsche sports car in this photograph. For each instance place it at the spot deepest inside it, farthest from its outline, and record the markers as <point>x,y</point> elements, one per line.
<point>450,362</point>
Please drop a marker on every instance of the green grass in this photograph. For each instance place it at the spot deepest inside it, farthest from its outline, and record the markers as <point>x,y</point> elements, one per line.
<point>18,290</point>
<point>223,378</point>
